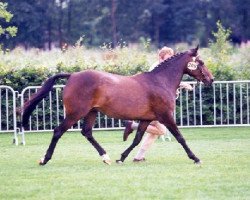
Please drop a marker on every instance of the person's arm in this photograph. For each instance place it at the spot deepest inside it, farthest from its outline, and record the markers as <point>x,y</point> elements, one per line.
<point>186,86</point>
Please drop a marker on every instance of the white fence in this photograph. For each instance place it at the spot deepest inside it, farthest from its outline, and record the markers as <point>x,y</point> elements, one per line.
<point>8,119</point>
<point>226,103</point>
<point>50,112</point>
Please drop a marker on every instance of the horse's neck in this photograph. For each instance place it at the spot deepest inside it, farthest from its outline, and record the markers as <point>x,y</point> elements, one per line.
<point>171,75</point>
<point>176,75</point>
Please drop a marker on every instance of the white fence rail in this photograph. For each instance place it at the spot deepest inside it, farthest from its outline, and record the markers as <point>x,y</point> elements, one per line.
<point>226,103</point>
<point>50,112</point>
<point>8,119</point>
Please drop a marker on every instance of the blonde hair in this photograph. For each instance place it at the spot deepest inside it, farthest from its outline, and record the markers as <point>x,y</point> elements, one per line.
<point>165,50</point>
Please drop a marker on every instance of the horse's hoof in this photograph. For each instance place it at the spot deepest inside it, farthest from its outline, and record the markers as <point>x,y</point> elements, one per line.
<point>198,163</point>
<point>41,162</point>
<point>106,159</point>
<point>119,162</point>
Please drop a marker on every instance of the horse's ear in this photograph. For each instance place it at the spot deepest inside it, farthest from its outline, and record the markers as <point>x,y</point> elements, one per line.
<point>194,52</point>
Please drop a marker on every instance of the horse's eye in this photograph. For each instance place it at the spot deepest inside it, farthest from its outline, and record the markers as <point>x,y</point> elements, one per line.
<point>200,62</point>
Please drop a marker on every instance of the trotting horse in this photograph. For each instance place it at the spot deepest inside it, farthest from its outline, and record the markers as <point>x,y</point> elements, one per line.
<point>145,97</point>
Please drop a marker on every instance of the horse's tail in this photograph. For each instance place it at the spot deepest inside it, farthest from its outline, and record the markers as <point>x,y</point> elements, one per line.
<point>31,104</point>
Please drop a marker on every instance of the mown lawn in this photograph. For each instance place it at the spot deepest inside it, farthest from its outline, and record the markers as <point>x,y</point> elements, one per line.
<point>77,172</point>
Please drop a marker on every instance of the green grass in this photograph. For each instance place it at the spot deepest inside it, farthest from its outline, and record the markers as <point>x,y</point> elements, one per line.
<point>76,171</point>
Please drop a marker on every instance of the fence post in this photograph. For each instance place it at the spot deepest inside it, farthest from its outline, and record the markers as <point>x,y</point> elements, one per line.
<point>8,89</point>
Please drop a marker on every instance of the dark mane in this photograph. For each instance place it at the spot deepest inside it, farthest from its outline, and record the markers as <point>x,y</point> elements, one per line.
<point>167,62</point>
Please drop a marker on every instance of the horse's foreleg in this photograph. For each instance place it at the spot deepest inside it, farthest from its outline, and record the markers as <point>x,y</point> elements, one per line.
<point>171,125</point>
<point>138,137</point>
<point>89,121</point>
<point>58,132</point>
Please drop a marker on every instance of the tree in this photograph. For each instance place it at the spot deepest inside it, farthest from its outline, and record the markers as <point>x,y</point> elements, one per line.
<point>220,50</point>
<point>43,23</point>
<point>6,16</point>
<point>113,19</point>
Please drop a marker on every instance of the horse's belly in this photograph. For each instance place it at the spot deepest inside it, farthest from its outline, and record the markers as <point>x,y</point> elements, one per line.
<point>124,100</point>
<point>127,112</point>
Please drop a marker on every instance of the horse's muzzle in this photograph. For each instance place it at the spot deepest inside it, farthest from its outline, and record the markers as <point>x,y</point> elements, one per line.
<point>208,82</point>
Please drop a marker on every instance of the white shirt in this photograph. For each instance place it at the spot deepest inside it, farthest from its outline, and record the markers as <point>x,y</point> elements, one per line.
<point>153,66</point>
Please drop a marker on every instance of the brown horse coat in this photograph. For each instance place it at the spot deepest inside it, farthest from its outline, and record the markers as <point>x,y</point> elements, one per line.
<point>101,90</point>
<point>145,97</point>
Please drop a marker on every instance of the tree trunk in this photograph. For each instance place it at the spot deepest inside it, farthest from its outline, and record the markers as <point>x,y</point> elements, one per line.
<point>60,34</point>
<point>49,34</point>
<point>113,21</point>
<point>69,16</point>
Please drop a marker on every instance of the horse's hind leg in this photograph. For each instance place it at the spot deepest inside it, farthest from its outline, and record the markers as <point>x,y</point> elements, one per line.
<point>139,134</point>
<point>58,132</point>
<point>88,123</point>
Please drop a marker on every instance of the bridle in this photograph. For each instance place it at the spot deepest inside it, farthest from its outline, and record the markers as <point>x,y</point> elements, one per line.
<point>193,65</point>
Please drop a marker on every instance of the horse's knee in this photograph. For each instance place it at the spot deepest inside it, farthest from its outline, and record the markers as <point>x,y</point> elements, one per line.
<point>83,132</point>
<point>87,134</point>
<point>137,140</point>
<point>57,134</point>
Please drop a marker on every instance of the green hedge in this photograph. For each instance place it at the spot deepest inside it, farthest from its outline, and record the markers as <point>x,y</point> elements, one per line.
<point>20,68</point>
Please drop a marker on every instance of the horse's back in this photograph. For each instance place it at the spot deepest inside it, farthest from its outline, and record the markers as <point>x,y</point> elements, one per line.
<point>93,79</point>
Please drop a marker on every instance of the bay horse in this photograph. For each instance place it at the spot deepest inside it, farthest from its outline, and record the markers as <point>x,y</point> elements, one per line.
<point>145,97</point>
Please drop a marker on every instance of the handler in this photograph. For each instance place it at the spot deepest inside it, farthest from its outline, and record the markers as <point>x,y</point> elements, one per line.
<point>155,128</point>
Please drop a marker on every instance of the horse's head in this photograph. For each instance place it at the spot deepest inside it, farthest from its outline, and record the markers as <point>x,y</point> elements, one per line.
<point>197,69</point>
